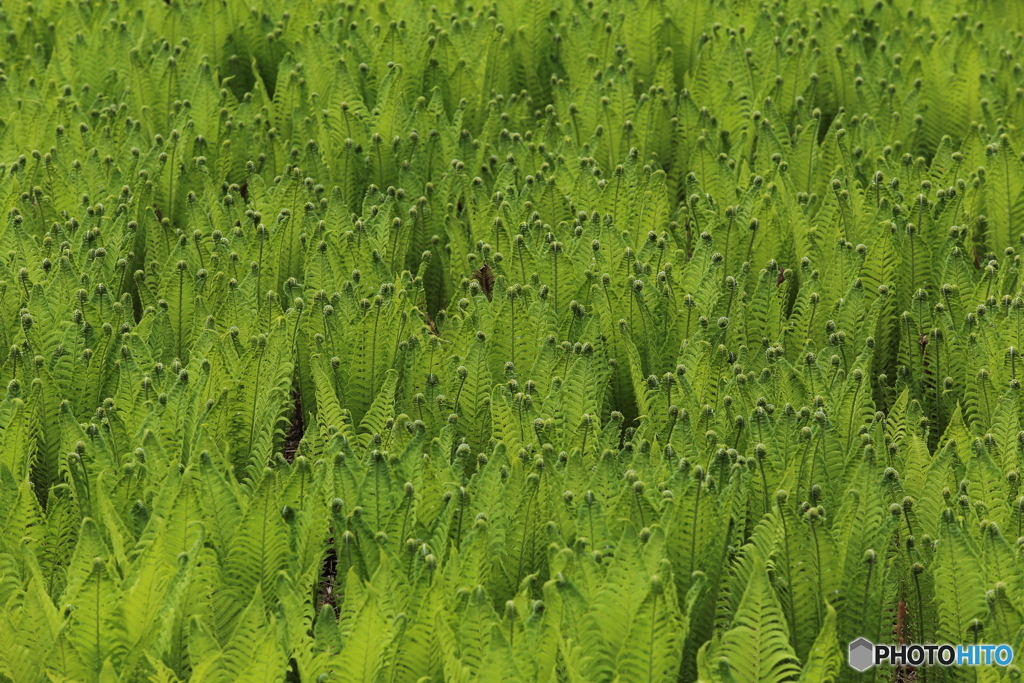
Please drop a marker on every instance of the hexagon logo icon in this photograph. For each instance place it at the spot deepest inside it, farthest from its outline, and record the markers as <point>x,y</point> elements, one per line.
<point>862,654</point>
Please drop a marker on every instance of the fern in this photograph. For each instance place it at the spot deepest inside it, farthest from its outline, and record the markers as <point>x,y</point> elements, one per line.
<point>757,646</point>
<point>629,341</point>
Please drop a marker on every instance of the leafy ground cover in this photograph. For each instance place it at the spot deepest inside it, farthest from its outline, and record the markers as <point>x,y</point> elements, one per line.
<point>547,341</point>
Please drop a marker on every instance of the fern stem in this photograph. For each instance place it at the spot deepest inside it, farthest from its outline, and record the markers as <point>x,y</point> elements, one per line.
<point>640,213</point>
<point>803,460</point>
<point>380,165</point>
<point>1020,511</point>
<point>99,634</point>
<point>255,401</point>
<point>764,483</point>
<point>1009,197</point>
<point>867,596</point>
<point>790,604</point>
<point>693,214</point>
<point>589,498</point>
<point>612,147</point>
<point>832,382</point>
<point>185,511</point>
<point>64,656</point>
<point>817,558</point>
<point>181,293</point>
<point>462,514</point>
<point>513,330</point>
<point>937,376</point>
<point>703,177</point>
<point>458,394</point>
<point>373,356</point>
<point>650,650</point>
<point>395,668</point>
<point>814,460</point>
<point>174,150</point>
<point>519,420</point>
<point>259,273</point>
<point>814,310</point>
<point>643,319</point>
<point>522,548</point>
<point>615,203</point>
<point>116,451</point>
<point>522,266</point>
<point>629,295</point>
<point>910,341</point>
<point>402,320</point>
<point>554,253</point>
<point>376,496</point>
<point>263,543</point>
<point>128,488</point>
<point>405,520</point>
<point>348,554</point>
<point>639,508</point>
<point>497,230</point>
<point>853,412</point>
<point>725,252</point>
<point>327,330</point>
<point>693,530</point>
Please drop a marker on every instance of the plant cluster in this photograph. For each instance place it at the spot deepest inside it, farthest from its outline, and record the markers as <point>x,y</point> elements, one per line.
<point>557,341</point>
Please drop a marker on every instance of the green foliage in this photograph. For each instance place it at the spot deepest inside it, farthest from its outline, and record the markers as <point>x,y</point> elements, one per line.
<point>549,341</point>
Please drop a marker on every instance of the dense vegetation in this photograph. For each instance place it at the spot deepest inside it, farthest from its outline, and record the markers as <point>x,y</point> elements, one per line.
<point>555,341</point>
